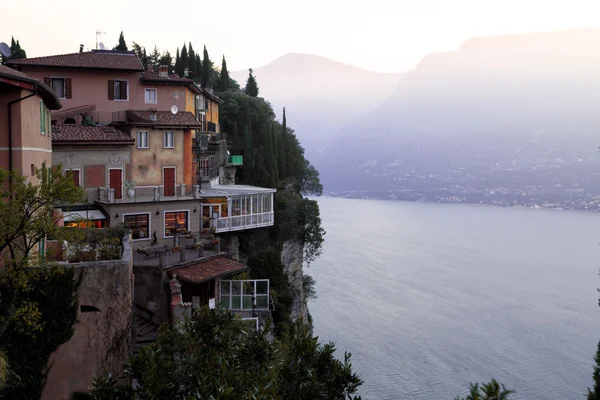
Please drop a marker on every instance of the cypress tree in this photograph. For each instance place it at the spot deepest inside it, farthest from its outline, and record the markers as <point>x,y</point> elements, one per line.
<point>122,46</point>
<point>248,152</point>
<point>177,62</point>
<point>224,81</point>
<point>251,85</point>
<point>198,72</point>
<point>206,68</point>
<point>191,61</point>
<point>16,51</point>
<point>281,150</point>
<point>183,62</point>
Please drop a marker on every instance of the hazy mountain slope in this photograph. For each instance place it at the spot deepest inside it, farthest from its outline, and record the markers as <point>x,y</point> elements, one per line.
<point>518,110</point>
<point>320,95</point>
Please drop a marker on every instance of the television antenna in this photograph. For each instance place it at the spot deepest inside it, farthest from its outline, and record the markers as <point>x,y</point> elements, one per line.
<point>174,109</point>
<point>98,33</point>
<point>5,49</point>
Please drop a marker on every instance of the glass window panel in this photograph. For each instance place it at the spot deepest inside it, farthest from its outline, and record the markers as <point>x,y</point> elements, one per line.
<point>248,287</point>
<point>248,302</point>
<point>236,287</point>
<point>262,287</point>
<point>262,302</point>
<point>236,302</point>
<point>225,288</point>
<point>176,222</point>
<point>225,302</point>
<point>138,224</point>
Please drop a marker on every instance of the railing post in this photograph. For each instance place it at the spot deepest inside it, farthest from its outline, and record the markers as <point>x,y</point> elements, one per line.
<point>218,246</point>
<point>161,260</point>
<point>182,255</point>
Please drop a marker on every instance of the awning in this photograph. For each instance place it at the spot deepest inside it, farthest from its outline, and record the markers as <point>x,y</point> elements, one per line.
<point>234,190</point>
<point>205,270</point>
<point>83,214</point>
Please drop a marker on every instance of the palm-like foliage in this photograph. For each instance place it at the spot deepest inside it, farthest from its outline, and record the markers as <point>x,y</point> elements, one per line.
<point>487,391</point>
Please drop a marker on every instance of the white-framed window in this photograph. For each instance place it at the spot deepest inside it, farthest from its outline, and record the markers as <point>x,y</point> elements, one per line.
<point>121,91</point>
<point>245,294</point>
<point>142,139</point>
<point>150,96</point>
<point>169,140</point>
<point>176,221</point>
<point>59,87</point>
<point>138,224</point>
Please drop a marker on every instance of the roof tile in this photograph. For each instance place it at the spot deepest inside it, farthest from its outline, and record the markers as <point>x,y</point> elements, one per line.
<point>182,118</point>
<point>208,269</point>
<point>89,133</point>
<point>88,60</point>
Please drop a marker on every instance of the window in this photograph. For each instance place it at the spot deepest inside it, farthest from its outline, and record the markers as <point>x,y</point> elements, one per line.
<point>245,295</point>
<point>169,140</point>
<point>43,118</point>
<point>175,222</point>
<point>58,85</point>
<point>139,224</point>
<point>142,139</point>
<point>75,174</point>
<point>118,90</point>
<point>150,96</point>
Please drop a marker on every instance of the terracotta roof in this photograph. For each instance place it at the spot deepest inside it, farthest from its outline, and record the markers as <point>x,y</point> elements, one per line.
<point>125,61</point>
<point>88,134</point>
<point>151,77</point>
<point>68,112</point>
<point>50,98</point>
<point>208,269</point>
<point>163,118</point>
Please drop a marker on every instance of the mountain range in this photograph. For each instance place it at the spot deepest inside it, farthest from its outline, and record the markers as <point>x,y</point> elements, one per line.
<point>508,119</point>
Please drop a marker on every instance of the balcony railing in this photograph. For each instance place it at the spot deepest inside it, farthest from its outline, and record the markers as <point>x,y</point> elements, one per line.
<point>161,256</point>
<point>240,222</point>
<point>235,160</point>
<point>108,117</point>
<point>144,194</point>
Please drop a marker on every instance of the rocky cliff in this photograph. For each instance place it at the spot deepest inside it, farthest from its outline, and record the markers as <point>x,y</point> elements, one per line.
<point>292,260</point>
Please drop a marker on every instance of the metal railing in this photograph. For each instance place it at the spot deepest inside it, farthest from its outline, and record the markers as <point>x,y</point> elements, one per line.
<point>241,222</point>
<point>144,194</point>
<point>160,256</point>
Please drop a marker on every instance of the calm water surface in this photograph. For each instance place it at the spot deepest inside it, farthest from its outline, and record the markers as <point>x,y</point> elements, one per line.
<point>429,297</point>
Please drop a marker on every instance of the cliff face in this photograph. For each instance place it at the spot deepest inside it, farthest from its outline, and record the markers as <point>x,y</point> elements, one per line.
<point>292,260</point>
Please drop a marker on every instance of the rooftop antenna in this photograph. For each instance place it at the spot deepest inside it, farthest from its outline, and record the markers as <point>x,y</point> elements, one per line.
<point>101,46</point>
<point>5,49</point>
<point>174,109</point>
<point>98,33</point>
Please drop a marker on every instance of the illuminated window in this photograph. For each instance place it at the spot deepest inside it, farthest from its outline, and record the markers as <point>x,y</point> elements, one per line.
<point>139,224</point>
<point>175,222</point>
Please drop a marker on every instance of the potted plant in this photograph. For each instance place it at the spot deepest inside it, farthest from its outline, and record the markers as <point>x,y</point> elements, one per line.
<point>130,188</point>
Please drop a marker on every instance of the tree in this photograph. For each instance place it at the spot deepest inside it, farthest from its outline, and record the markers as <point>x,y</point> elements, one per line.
<point>183,61</point>
<point>26,210</point>
<point>177,62</point>
<point>167,60</point>
<point>224,81</point>
<point>206,68</point>
<point>595,394</point>
<point>309,183</point>
<point>121,46</point>
<point>281,148</point>
<point>140,52</point>
<point>38,304</point>
<point>16,51</point>
<point>487,391</point>
<point>216,355</point>
<point>198,71</point>
<point>191,62</point>
<point>251,85</point>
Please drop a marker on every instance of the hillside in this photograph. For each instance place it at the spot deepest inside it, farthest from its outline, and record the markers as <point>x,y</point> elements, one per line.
<point>321,95</point>
<point>514,114</point>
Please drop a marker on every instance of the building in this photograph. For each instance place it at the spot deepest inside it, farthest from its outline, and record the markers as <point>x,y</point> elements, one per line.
<point>25,130</point>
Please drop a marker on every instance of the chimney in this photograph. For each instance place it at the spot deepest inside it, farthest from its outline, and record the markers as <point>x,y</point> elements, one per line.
<point>81,48</point>
<point>163,71</point>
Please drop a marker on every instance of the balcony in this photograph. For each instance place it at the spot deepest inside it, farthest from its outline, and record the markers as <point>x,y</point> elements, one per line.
<point>241,222</point>
<point>161,256</point>
<point>235,160</point>
<point>145,194</point>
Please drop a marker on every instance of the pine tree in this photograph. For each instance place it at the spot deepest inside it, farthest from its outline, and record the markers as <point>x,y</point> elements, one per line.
<point>183,60</point>
<point>191,61</point>
<point>595,394</point>
<point>167,60</point>
<point>206,68</point>
<point>122,46</point>
<point>251,85</point>
<point>177,62</point>
<point>140,52</point>
<point>154,59</point>
<point>224,81</point>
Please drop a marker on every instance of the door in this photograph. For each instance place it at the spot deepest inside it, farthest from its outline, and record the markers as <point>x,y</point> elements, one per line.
<point>116,182</point>
<point>169,181</point>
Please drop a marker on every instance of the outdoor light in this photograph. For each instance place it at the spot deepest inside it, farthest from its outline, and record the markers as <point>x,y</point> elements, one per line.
<point>117,215</point>
<point>157,212</point>
<point>195,209</point>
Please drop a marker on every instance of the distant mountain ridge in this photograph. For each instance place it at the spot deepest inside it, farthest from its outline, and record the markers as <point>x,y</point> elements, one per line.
<point>516,114</point>
<point>321,95</point>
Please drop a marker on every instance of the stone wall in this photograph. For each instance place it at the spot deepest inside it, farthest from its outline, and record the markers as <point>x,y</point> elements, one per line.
<point>102,337</point>
<point>292,259</point>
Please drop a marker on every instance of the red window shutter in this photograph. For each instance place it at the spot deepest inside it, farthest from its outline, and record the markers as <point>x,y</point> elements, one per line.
<point>68,88</point>
<point>75,177</point>
<point>169,182</point>
<point>123,94</point>
<point>48,81</point>
<point>116,182</point>
<point>111,89</point>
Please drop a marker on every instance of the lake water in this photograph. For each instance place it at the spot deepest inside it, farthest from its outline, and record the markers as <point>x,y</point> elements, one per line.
<point>430,297</point>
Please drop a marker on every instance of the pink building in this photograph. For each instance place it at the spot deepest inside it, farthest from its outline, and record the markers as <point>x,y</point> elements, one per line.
<point>25,131</point>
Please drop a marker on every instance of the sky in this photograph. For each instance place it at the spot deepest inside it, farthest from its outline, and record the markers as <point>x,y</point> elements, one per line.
<point>378,35</point>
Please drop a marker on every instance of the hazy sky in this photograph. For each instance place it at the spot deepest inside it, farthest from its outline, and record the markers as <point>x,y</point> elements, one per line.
<point>380,35</point>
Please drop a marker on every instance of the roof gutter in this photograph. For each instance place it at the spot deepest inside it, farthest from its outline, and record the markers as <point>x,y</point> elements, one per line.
<point>10,143</point>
